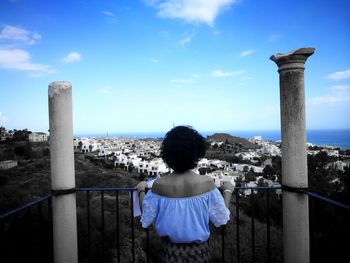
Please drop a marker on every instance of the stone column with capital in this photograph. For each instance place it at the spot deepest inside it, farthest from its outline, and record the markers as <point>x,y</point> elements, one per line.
<point>64,212</point>
<point>296,240</point>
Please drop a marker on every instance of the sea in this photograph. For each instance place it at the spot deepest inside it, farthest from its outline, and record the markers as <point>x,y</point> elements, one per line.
<point>337,138</point>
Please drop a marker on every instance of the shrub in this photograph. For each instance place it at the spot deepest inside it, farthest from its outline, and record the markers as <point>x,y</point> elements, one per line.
<point>3,180</point>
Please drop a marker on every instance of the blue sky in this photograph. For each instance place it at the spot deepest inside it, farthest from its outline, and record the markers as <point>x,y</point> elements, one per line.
<point>144,65</point>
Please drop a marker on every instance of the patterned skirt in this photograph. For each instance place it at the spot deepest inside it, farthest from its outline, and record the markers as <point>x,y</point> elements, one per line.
<point>182,252</point>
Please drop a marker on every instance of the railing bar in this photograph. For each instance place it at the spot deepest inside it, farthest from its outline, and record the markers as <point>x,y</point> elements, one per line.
<point>147,245</point>
<point>132,226</point>
<point>2,228</point>
<point>257,187</point>
<point>28,216</point>
<point>327,200</point>
<point>311,230</point>
<point>40,210</point>
<point>2,239</point>
<point>117,224</point>
<point>268,226</point>
<point>253,228</point>
<point>237,226</point>
<point>19,209</point>
<point>223,243</point>
<point>107,189</point>
<point>11,237</point>
<point>103,225</point>
<point>88,224</point>
<point>132,188</point>
<point>50,219</point>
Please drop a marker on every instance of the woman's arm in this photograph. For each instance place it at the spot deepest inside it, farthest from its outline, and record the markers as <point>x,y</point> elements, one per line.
<point>227,190</point>
<point>141,189</point>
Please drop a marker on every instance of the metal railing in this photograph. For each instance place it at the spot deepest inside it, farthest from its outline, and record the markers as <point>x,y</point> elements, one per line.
<point>26,232</point>
<point>267,221</point>
<point>115,232</point>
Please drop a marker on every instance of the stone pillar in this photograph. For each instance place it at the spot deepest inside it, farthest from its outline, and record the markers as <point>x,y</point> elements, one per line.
<point>294,156</point>
<point>62,173</point>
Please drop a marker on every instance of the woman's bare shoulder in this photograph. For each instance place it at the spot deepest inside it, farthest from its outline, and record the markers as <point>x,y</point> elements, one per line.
<point>159,185</point>
<point>199,184</point>
<point>207,183</point>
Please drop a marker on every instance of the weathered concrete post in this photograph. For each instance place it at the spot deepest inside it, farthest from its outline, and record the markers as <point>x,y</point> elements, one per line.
<point>62,173</point>
<point>294,156</point>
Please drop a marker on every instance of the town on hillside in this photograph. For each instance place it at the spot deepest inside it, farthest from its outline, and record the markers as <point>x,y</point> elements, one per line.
<point>244,162</point>
<point>122,162</point>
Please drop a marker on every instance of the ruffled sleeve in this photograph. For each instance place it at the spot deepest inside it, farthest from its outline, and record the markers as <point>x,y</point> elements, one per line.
<point>218,212</point>
<point>149,209</point>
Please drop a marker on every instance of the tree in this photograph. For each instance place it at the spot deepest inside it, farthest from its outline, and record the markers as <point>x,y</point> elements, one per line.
<point>262,183</point>
<point>80,145</point>
<point>2,130</point>
<point>245,169</point>
<point>268,172</point>
<point>239,181</point>
<point>250,177</point>
<point>28,151</point>
<point>21,135</point>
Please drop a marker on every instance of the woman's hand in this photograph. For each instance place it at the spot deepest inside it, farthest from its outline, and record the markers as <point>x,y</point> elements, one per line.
<point>226,185</point>
<point>141,190</point>
<point>142,186</point>
<point>227,190</point>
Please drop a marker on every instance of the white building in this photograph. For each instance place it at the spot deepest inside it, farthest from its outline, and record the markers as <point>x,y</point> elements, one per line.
<point>153,167</point>
<point>340,165</point>
<point>88,145</point>
<point>4,165</point>
<point>37,137</point>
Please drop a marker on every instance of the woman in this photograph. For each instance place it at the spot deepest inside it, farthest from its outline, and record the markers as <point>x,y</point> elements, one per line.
<point>181,204</point>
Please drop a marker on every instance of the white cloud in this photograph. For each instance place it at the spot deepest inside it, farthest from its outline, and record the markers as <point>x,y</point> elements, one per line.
<point>220,74</point>
<point>339,75</point>
<point>19,34</point>
<point>198,11</point>
<point>154,60</point>
<point>247,53</point>
<point>18,59</point>
<point>107,13</point>
<point>273,38</point>
<point>337,94</point>
<point>3,119</point>
<point>71,57</point>
<point>186,39</point>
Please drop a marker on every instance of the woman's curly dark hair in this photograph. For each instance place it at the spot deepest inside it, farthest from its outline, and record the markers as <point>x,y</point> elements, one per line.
<point>182,147</point>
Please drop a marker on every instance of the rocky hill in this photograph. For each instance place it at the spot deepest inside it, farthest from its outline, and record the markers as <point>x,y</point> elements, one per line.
<point>234,141</point>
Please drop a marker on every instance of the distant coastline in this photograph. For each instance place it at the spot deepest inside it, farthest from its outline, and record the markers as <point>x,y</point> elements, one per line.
<point>338,138</point>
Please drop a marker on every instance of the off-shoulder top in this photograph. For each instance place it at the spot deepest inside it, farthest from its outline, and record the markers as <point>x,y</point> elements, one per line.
<point>184,220</point>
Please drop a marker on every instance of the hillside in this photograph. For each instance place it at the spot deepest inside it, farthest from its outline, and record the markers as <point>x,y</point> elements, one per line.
<point>31,179</point>
<point>242,143</point>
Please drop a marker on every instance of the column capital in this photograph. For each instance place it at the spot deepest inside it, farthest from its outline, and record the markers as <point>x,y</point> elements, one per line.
<point>293,60</point>
<point>57,87</point>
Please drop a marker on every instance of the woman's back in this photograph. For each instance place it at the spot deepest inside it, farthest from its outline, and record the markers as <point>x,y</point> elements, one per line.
<point>183,185</point>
